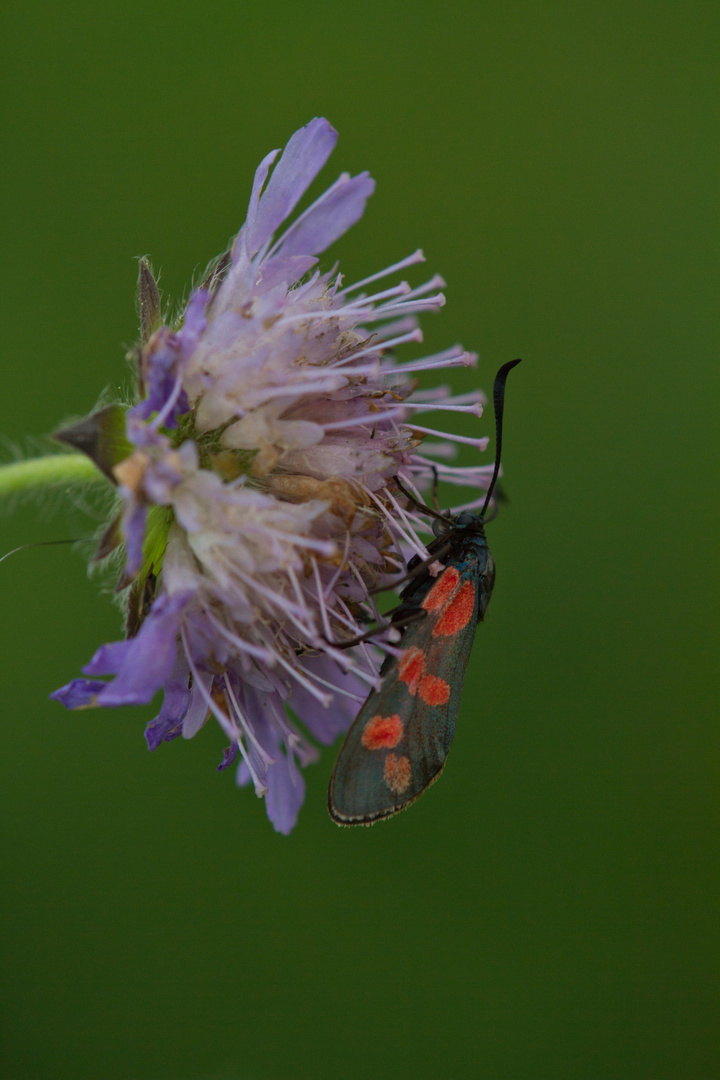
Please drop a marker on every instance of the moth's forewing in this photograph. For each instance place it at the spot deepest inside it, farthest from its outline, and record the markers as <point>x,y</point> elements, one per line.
<point>400,739</point>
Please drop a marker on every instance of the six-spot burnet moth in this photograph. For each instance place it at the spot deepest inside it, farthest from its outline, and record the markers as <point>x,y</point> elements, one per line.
<point>398,743</point>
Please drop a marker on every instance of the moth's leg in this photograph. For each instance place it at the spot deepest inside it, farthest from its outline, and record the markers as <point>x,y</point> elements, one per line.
<point>416,570</point>
<point>436,501</point>
<point>401,618</point>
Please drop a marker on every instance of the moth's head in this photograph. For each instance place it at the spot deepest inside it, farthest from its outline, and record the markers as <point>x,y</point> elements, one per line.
<point>466,521</point>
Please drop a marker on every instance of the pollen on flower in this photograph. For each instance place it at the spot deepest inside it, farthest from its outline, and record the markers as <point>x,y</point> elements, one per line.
<point>259,489</point>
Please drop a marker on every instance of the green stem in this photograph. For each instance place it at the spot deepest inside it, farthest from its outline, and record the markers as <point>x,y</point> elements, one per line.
<point>51,471</point>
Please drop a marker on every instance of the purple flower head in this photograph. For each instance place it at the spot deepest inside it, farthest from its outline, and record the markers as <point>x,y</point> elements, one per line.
<point>260,506</point>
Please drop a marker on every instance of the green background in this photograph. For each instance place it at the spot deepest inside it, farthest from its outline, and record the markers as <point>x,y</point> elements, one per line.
<point>549,909</point>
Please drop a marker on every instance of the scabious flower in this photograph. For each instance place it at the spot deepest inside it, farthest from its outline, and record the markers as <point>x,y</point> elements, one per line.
<point>259,504</point>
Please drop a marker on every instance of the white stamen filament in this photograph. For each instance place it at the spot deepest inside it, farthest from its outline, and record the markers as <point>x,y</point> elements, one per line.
<point>482,472</point>
<point>296,585</point>
<point>279,600</point>
<point>382,643</point>
<point>272,653</point>
<point>259,652</point>
<point>411,540</point>
<point>481,444</point>
<point>441,450</point>
<point>349,664</point>
<point>436,282</point>
<point>436,406</point>
<point>366,654</point>
<point>356,311</point>
<point>369,419</point>
<point>410,260</point>
<point>231,729</point>
<point>464,359</point>
<point>321,601</point>
<point>443,393</point>
<point>431,303</point>
<point>370,602</point>
<point>333,581</point>
<point>323,547</point>
<point>479,478</point>
<point>297,674</point>
<point>395,326</point>
<point>335,689</point>
<point>411,518</point>
<point>414,335</point>
<point>350,624</point>
<point>247,726</point>
<point>401,289</point>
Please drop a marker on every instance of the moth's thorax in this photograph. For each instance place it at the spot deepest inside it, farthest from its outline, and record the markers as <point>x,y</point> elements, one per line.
<point>474,550</point>
<point>468,543</point>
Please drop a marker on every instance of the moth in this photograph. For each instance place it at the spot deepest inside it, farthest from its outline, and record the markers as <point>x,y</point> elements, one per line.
<point>400,739</point>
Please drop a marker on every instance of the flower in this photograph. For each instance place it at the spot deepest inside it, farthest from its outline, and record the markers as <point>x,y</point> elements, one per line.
<point>257,482</point>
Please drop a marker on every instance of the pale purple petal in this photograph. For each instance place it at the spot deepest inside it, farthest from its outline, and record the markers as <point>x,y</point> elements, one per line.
<point>229,755</point>
<point>169,351</point>
<point>260,177</point>
<point>257,708</point>
<point>159,481</point>
<point>302,159</point>
<point>286,793</point>
<point>162,373</point>
<point>194,322</point>
<point>198,710</point>
<point>140,433</point>
<point>133,527</point>
<point>242,776</point>
<point>283,271</point>
<point>326,724</point>
<point>167,725</point>
<point>109,659</point>
<point>329,217</point>
<point>79,694</point>
<point>148,659</point>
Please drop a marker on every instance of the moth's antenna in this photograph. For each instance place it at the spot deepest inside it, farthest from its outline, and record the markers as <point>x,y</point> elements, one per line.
<point>499,403</point>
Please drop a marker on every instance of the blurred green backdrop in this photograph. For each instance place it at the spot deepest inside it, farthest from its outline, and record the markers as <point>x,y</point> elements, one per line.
<point>549,910</point>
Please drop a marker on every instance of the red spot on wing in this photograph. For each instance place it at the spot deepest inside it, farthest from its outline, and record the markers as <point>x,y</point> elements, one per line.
<point>397,773</point>
<point>382,732</point>
<point>458,612</point>
<point>442,590</point>
<point>411,666</point>
<point>434,690</point>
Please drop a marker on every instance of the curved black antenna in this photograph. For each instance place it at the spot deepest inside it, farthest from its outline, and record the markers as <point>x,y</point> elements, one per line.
<point>499,403</point>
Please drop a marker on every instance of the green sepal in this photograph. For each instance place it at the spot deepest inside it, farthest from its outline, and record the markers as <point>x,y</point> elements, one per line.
<point>110,539</point>
<point>159,520</point>
<point>101,436</point>
<point>142,588</point>
<point>149,305</point>
<point>141,594</point>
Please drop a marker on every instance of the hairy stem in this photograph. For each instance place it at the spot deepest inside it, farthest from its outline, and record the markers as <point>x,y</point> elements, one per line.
<point>50,471</point>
